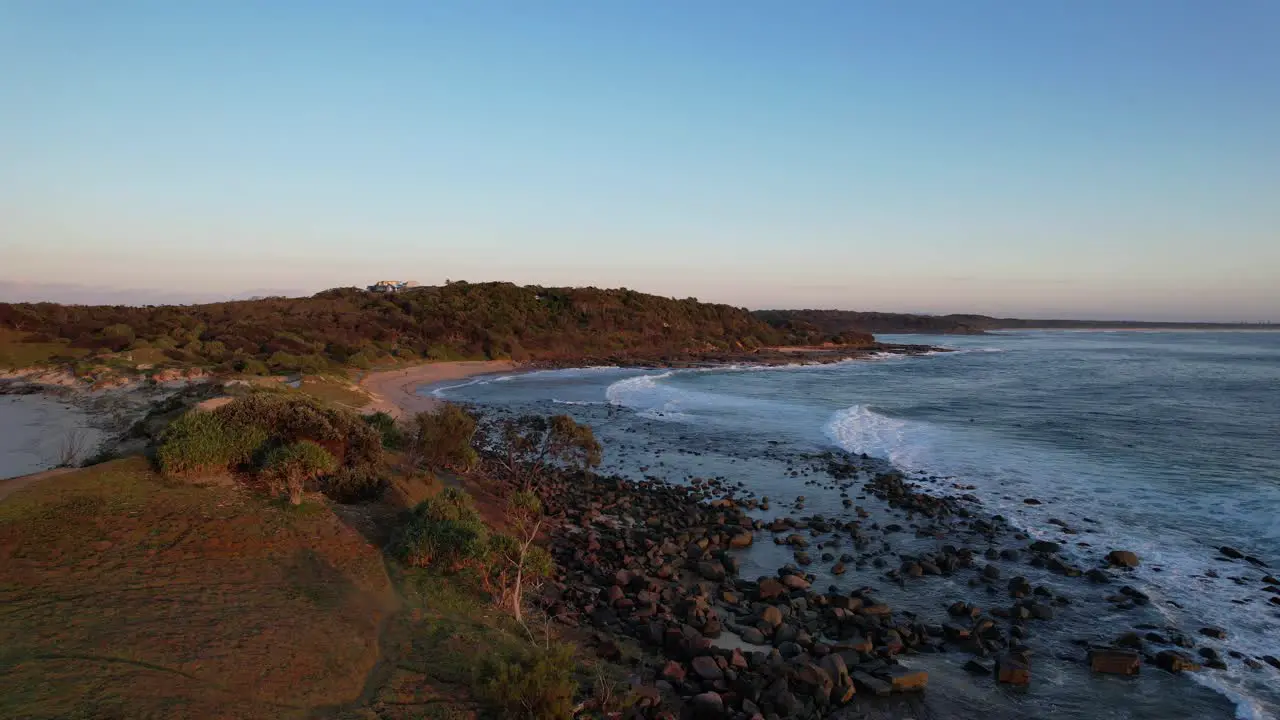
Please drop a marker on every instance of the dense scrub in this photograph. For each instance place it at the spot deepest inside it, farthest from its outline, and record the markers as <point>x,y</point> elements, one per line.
<point>351,327</point>
<point>290,439</point>
<point>824,323</point>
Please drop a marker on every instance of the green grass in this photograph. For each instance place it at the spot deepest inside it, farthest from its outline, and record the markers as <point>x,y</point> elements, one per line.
<point>337,391</point>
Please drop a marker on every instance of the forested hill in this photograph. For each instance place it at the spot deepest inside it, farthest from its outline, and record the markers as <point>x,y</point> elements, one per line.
<point>839,321</point>
<point>353,327</point>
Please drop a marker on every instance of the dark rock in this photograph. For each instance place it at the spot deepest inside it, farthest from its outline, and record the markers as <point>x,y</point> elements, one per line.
<point>1214,632</point>
<point>708,705</point>
<point>1123,558</point>
<point>1228,551</point>
<point>705,667</point>
<point>1175,662</point>
<point>1013,668</point>
<point>1114,661</point>
<point>1045,546</point>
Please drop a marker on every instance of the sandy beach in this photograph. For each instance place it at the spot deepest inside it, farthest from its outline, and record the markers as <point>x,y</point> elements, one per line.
<point>395,391</point>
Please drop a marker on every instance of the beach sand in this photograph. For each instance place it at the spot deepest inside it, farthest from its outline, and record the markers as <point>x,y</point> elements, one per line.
<point>395,391</point>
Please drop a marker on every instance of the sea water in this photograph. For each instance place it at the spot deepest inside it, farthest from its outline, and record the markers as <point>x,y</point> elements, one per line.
<point>1163,443</point>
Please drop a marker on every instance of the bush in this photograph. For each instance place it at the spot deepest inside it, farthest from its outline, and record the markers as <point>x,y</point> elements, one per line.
<point>290,467</point>
<point>199,442</point>
<point>235,434</point>
<point>442,438</point>
<point>385,425</point>
<point>444,530</point>
<point>355,484</point>
<point>537,685</point>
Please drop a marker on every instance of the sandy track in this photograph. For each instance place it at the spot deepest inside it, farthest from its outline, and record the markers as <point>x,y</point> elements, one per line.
<point>394,391</point>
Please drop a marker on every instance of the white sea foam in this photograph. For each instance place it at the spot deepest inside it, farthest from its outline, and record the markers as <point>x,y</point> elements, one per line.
<point>1004,472</point>
<point>558,401</point>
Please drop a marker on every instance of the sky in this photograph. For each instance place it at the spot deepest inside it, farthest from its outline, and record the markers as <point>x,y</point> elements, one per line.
<point>1042,158</point>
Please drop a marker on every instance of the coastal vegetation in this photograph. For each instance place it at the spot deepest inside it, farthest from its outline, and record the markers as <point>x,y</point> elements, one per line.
<point>353,328</point>
<point>824,323</point>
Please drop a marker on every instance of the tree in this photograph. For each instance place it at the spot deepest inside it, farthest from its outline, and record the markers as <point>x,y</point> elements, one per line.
<point>515,562</point>
<point>443,437</point>
<point>526,446</point>
<point>291,466</point>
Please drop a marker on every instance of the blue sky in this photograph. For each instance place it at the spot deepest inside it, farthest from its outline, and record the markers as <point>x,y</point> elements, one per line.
<point>1044,158</point>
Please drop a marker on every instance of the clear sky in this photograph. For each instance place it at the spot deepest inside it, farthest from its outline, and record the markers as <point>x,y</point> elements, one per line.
<point>1099,158</point>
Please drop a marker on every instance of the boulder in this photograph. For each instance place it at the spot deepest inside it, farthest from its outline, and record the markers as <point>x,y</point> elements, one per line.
<point>1114,661</point>
<point>771,588</point>
<point>705,667</point>
<point>741,540</point>
<point>713,571</point>
<point>870,684</point>
<point>795,582</point>
<point>1013,668</point>
<point>708,706</point>
<point>1175,662</point>
<point>772,615</point>
<point>1123,558</point>
<point>905,679</point>
<point>1045,546</point>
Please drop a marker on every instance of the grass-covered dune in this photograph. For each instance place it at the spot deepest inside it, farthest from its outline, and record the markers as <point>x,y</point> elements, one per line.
<point>125,594</point>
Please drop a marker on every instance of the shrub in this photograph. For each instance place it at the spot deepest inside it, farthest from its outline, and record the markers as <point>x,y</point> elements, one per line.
<point>289,467</point>
<point>355,484</point>
<point>442,438</point>
<point>537,685</point>
<point>292,417</point>
<point>444,530</point>
<point>234,434</point>
<point>204,441</point>
<point>385,425</point>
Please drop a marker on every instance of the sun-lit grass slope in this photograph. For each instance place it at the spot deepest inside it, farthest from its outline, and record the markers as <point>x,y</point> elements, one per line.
<point>123,594</point>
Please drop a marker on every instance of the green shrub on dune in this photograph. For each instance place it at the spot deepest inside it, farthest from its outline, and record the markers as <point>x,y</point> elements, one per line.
<point>290,467</point>
<point>203,442</point>
<point>445,530</point>
<point>246,434</point>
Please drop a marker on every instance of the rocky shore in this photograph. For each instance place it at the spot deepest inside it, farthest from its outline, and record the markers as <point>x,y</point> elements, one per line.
<point>764,357</point>
<point>650,573</point>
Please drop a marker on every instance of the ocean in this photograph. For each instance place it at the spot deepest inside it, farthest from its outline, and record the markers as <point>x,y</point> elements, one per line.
<point>1163,443</point>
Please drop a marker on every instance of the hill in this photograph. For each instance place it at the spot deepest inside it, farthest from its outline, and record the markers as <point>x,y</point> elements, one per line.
<point>354,327</point>
<point>840,321</point>
<point>130,595</point>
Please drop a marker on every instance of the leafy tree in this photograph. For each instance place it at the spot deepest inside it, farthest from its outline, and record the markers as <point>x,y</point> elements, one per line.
<point>291,466</point>
<point>527,446</point>
<point>442,438</point>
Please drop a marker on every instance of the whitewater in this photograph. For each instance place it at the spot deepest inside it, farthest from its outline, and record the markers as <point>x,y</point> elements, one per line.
<point>1159,443</point>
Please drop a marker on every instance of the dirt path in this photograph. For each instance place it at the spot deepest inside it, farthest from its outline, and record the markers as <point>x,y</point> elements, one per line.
<point>395,391</point>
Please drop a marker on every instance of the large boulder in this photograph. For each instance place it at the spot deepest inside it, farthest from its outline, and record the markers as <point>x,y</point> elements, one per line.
<point>1114,661</point>
<point>771,588</point>
<point>705,667</point>
<point>1013,668</point>
<point>1123,558</point>
<point>772,615</point>
<point>1175,662</point>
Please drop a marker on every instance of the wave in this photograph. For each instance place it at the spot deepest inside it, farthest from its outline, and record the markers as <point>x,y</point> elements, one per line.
<point>558,401</point>
<point>1004,471</point>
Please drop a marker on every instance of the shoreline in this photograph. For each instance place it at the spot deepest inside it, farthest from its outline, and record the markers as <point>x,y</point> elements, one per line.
<point>1030,596</point>
<point>395,391</point>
